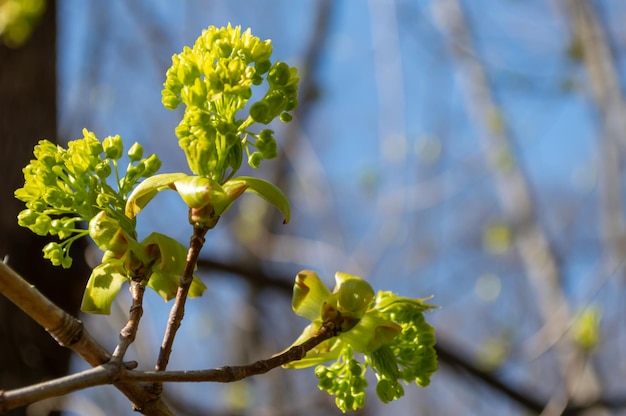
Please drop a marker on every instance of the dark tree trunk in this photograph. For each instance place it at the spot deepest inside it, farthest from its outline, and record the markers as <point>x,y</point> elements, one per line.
<point>27,114</point>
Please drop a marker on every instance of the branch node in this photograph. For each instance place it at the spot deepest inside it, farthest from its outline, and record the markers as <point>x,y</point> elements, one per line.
<point>68,332</point>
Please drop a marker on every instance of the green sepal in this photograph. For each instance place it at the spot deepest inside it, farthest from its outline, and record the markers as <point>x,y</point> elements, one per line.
<point>104,284</point>
<point>309,293</point>
<point>266,190</point>
<point>200,191</point>
<point>388,300</point>
<point>171,257</point>
<point>370,333</point>
<point>147,189</point>
<point>166,285</point>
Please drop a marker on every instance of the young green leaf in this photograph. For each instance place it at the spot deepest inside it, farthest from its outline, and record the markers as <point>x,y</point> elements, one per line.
<point>266,190</point>
<point>103,285</point>
<point>148,189</point>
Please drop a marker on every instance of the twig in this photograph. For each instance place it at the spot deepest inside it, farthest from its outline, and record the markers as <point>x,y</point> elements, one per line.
<point>178,309</point>
<point>129,332</point>
<point>229,374</point>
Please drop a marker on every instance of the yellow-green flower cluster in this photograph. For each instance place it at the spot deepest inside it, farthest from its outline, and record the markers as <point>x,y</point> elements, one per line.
<point>214,80</point>
<point>65,186</point>
<point>389,330</point>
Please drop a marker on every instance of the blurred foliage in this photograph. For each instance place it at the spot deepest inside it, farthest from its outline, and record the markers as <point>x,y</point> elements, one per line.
<point>18,19</point>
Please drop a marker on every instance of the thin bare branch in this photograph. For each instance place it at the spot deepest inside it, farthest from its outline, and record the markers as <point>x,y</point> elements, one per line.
<point>234,373</point>
<point>178,309</point>
<point>129,332</point>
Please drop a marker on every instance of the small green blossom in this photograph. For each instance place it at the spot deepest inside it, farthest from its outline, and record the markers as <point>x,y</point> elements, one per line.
<point>214,80</point>
<point>389,330</point>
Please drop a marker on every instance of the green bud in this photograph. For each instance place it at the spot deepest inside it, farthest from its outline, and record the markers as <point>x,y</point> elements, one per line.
<point>45,152</point>
<point>254,160</point>
<point>266,135</point>
<point>152,165</point>
<point>64,227</point>
<point>321,371</point>
<point>286,117</point>
<point>103,169</point>
<point>260,112</point>
<point>276,101</point>
<point>113,147</point>
<point>41,225</point>
<point>279,74</point>
<point>138,170</point>
<point>262,66</point>
<point>197,93</point>
<point>224,48</point>
<point>170,100</point>
<point>187,72</point>
<point>27,218</point>
<point>389,390</point>
<point>135,152</point>
<point>54,253</point>
<point>354,294</point>
<point>262,51</point>
<point>53,197</point>
<point>132,173</point>
<point>348,402</point>
<point>271,150</point>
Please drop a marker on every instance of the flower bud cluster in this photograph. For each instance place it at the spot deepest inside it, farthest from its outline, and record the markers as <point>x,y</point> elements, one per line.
<point>65,186</point>
<point>390,331</point>
<point>344,379</point>
<point>215,80</point>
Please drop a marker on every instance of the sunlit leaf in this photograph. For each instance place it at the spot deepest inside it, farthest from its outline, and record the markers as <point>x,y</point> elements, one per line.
<point>147,189</point>
<point>103,285</point>
<point>266,190</point>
